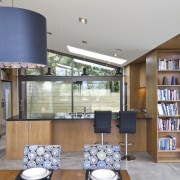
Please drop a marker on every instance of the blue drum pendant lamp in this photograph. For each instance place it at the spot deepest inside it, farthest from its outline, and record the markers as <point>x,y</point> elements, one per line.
<point>23,38</point>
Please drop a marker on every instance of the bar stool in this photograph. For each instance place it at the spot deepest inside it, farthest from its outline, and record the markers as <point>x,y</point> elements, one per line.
<point>102,123</point>
<point>127,124</point>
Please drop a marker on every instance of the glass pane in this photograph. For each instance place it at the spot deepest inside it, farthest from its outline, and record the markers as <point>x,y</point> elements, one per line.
<point>48,97</point>
<point>33,71</point>
<point>96,95</point>
<point>92,69</point>
<point>60,65</point>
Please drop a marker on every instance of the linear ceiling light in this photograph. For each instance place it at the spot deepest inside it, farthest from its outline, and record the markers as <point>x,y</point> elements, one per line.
<point>95,55</point>
<point>23,41</point>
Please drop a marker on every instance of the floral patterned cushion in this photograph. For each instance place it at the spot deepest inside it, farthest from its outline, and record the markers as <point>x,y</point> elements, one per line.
<point>102,157</point>
<point>47,156</point>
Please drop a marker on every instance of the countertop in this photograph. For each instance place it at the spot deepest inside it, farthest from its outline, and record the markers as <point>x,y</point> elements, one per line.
<point>141,115</point>
<point>52,116</point>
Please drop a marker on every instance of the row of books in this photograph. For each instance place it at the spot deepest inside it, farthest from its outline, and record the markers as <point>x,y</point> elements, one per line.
<point>164,64</point>
<point>170,124</point>
<point>167,143</point>
<point>168,94</point>
<point>168,109</point>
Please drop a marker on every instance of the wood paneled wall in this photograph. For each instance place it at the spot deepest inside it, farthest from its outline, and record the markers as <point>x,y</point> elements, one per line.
<point>73,134</point>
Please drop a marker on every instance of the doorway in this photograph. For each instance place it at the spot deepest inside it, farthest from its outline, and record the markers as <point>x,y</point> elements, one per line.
<point>5,104</point>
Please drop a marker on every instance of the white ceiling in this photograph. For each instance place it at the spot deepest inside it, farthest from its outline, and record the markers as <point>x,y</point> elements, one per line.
<point>134,26</point>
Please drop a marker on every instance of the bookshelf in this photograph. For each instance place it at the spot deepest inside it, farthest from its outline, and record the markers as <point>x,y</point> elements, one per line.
<point>163,104</point>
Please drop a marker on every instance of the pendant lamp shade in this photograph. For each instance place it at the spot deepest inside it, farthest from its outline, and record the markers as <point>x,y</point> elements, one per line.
<point>23,39</point>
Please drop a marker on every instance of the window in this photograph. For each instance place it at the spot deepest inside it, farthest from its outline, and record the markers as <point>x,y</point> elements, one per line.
<point>66,91</point>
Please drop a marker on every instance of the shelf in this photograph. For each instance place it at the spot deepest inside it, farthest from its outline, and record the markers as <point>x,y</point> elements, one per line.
<point>167,159</point>
<point>169,155</point>
<point>169,151</point>
<point>168,100</point>
<point>163,116</point>
<point>168,70</point>
<point>163,69</point>
<point>169,85</point>
<point>166,131</point>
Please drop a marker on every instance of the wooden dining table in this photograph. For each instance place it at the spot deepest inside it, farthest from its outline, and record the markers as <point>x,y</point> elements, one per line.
<point>61,174</point>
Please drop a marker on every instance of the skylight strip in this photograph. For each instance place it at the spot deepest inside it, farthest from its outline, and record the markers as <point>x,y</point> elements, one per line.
<point>95,55</point>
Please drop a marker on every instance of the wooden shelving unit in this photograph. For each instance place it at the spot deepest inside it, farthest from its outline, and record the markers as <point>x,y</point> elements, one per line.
<point>155,73</point>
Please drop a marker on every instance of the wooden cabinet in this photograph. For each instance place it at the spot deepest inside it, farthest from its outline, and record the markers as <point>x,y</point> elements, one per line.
<point>134,94</point>
<point>19,133</point>
<point>163,104</point>
<point>73,134</point>
<point>142,74</point>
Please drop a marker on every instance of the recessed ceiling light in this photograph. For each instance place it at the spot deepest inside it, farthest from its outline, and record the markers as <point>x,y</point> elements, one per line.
<point>117,54</point>
<point>83,20</point>
<point>84,42</point>
<point>96,55</point>
<point>49,33</point>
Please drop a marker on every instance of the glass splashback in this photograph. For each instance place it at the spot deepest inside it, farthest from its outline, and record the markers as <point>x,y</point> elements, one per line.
<point>96,95</point>
<point>65,97</point>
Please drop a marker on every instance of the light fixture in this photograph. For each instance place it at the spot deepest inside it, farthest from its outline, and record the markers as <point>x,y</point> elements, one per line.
<point>49,71</point>
<point>117,53</point>
<point>118,71</point>
<point>84,42</point>
<point>83,20</point>
<point>84,72</point>
<point>96,55</point>
<point>23,41</point>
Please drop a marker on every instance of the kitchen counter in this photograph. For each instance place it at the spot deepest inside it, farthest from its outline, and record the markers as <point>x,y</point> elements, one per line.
<point>71,134</point>
<point>47,116</point>
<point>70,116</point>
<point>141,115</point>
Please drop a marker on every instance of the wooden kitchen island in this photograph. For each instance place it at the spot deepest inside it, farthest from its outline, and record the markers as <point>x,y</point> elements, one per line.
<point>71,134</point>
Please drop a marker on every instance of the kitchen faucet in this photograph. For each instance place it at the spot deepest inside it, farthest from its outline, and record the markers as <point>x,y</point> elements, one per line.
<point>85,110</point>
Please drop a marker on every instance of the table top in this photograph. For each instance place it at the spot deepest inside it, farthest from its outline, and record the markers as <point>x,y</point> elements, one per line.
<point>65,174</point>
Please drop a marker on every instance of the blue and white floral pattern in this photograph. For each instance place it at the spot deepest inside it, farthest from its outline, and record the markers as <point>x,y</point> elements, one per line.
<point>102,157</point>
<point>47,156</point>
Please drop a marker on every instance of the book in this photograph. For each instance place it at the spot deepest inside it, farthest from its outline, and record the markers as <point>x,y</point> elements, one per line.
<point>160,110</point>
<point>167,143</point>
<point>173,139</point>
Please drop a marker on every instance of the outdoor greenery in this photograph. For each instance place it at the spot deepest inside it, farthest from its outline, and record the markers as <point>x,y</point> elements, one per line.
<point>70,67</point>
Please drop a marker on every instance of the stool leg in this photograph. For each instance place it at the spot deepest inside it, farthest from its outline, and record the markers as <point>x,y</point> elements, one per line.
<point>127,156</point>
<point>126,144</point>
<point>102,138</point>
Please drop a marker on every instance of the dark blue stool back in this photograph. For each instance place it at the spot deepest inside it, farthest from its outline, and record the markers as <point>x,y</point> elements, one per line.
<point>127,122</point>
<point>102,121</point>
